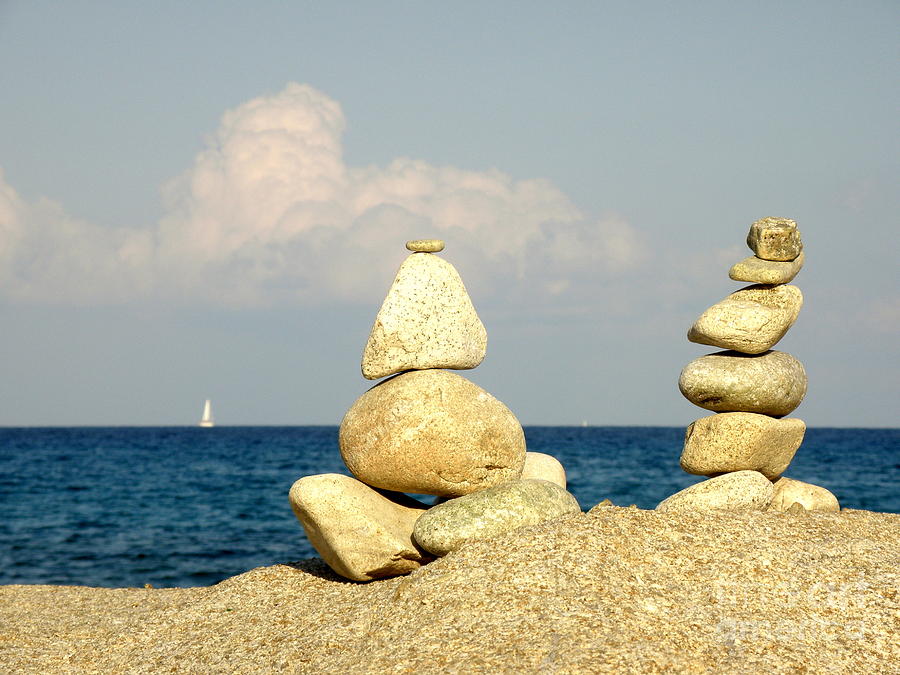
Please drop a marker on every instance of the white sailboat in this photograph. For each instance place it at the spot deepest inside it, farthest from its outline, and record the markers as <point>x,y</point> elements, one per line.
<point>207,420</point>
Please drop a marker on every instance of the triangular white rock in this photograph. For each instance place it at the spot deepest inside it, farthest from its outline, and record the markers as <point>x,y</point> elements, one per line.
<point>426,321</point>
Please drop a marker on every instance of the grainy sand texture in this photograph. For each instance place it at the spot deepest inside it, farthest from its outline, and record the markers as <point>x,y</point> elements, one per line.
<point>614,590</point>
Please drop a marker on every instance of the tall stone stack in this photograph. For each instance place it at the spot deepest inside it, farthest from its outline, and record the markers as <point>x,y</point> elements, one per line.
<point>748,444</point>
<point>424,430</point>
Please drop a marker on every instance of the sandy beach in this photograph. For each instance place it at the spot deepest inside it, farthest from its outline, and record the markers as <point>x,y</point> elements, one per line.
<point>610,591</point>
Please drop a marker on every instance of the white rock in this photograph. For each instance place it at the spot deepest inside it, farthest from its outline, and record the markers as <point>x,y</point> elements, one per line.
<point>544,467</point>
<point>811,497</point>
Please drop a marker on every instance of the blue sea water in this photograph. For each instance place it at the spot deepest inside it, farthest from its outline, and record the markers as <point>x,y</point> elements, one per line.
<point>184,506</point>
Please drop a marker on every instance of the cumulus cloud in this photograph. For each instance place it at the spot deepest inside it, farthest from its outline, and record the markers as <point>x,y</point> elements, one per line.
<point>269,213</point>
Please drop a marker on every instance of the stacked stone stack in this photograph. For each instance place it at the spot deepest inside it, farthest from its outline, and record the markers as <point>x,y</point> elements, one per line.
<point>748,444</point>
<point>424,430</point>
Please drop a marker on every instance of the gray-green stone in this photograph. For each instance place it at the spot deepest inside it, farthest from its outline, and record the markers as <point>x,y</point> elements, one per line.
<point>488,513</point>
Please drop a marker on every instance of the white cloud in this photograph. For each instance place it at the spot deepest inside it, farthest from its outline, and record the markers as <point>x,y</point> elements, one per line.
<point>269,213</point>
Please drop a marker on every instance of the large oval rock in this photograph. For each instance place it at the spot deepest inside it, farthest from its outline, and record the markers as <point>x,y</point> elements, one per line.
<point>490,512</point>
<point>811,497</point>
<point>431,432</point>
<point>741,490</point>
<point>740,441</point>
<point>544,467</point>
<point>362,534</point>
<point>759,271</point>
<point>772,383</point>
<point>775,239</point>
<point>750,320</point>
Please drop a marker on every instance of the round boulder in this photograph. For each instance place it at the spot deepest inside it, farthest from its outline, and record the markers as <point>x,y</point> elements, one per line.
<point>811,497</point>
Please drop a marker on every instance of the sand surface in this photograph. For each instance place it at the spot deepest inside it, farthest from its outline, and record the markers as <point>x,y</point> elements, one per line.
<point>611,591</point>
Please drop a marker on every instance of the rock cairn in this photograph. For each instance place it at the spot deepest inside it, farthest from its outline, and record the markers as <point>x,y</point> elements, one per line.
<point>747,445</point>
<point>427,431</point>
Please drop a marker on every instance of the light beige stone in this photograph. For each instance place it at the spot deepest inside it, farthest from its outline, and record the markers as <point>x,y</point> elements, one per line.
<point>431,432</point>
<point>426,321</point>
<point>490,512</point>
<point>775,239</point>
<point>772,383</point>
<point>811,497</point>
<point>738,491</point>
<point>362,533</point>
<point>544,467</point>
<point>750,320</point>
<point>425,245</point>
<point>759,271</point>
<point>739,441</point>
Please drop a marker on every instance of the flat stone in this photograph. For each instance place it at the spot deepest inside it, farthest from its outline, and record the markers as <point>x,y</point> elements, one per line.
<point>544,467</point>
<point>426,321</point>
<point>775,239</point>
<point>425,245</point>
<point>811,497</point>
<point>750,320</point>
<point>431,432</point>
<point>490,512</point>
<point>772,383</point>
<point>739,441</point>
<point>759,271</point>
<point>362,533</point>
<point>738,491</point>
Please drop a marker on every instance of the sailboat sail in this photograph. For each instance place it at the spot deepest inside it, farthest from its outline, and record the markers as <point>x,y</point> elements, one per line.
<point>207,420</point>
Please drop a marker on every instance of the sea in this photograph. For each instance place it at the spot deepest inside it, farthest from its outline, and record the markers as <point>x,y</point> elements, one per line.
<point>185,506</point>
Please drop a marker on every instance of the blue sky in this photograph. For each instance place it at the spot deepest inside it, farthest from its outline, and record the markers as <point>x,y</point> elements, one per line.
<point>210,199</point>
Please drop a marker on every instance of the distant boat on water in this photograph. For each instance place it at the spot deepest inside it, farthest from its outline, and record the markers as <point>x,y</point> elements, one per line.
<point>207,419</point>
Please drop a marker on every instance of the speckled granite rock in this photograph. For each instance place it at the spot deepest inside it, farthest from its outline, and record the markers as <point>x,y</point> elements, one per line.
<point>741,441</point>
<point>431,432</point>
<point>426,321</point>
<point>759,271</point>
<point>613,591</point>
<point>362,534</point>
<point>732,491</point>
<point>772,383</point>
<point>811,497</point>
<point>544,467</point>
<point>487,513</point>
<point>775,239</point>
<point>750,320</point>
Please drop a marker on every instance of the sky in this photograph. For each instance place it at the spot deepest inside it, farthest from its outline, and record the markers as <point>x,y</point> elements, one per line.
<point>210,199</point>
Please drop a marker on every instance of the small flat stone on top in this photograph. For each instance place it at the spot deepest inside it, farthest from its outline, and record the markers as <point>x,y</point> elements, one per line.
<point>775,239</point>
<point>425,245</point>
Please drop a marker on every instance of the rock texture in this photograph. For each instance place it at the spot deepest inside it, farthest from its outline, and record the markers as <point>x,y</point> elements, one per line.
<point>544,467</point>
<point>427,321</point>
<point>772,383</point>
<point>775,239</point>
<point>614,591</point>
<point>487,513</point>
<point>741,441</point>
<point>811,497</point>
<point>363,534</point>
<point>759,271</point>
<point>431,432</point>
<point>750,320</point>
<point>733,491</point>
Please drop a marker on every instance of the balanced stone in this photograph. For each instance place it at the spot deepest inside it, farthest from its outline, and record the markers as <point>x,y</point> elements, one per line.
<point>811,497</point>
<point>759,271</point>
<point>425,245</point>
<point>445,527</point>
<point>775,239</point>
<point>772,383</point>
<point>431,432</point>
<point>544,467</point>
<point>750,320</point>
<point>741,490</point>
<point>426,321</point>
<point>739,441</point>
<point>362,534</point>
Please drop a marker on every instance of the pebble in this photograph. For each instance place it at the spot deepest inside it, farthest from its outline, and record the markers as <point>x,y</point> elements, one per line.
<point>772,383</point>
<point>811,497</point>
<point>738,441</point>
<point>750,320</point>
<point>431,432</point>
<point>491,512</point>
<point>737,491</point>
<point>425,245</point>
<point>544,467</point>
<point>759,271</point>
<point>362,534</point>
<point>426,321</point>
<point>775,239</point>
